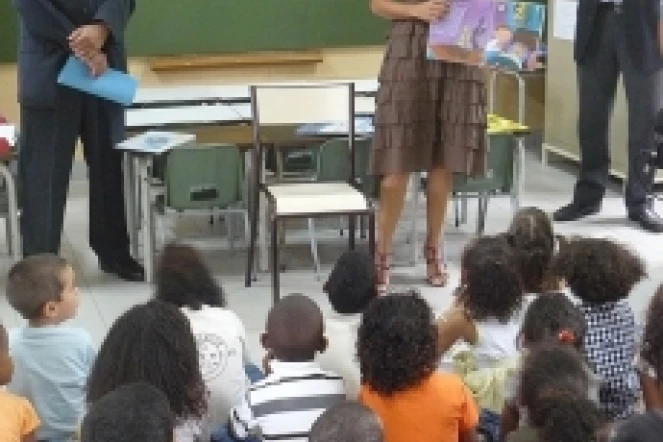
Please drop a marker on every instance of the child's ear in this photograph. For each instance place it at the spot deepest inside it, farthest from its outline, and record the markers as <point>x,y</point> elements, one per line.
<point>49,309</point>
<point>264,341</point>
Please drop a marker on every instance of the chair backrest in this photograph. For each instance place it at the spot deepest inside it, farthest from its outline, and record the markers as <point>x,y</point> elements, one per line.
<point>499,168</point>
<point>286,105</point>
<point>203,176</point>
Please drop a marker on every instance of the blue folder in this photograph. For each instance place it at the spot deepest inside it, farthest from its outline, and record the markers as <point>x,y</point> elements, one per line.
<point>112,85</point>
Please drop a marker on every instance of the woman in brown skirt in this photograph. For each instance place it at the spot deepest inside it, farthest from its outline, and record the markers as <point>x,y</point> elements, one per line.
<point>430,116</point>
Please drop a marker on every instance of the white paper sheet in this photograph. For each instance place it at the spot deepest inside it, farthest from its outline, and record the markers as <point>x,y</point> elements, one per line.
<point>564,20</point>
<point>156,142</point>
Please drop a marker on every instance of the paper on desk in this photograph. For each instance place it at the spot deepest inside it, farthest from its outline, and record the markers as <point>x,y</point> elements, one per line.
<point>156,142</point>
<point>564,19</point>
<point>112,85</point>
<point>8,132</point>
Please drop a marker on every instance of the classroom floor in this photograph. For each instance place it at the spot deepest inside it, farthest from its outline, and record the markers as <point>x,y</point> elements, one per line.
<point>104,298</point>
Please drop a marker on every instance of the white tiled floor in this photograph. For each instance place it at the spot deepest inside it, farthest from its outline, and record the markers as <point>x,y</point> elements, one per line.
<point>104,298</point>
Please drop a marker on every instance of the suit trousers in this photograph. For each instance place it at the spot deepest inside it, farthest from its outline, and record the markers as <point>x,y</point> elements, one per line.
<point>606,58</point>
<point>48,140</point>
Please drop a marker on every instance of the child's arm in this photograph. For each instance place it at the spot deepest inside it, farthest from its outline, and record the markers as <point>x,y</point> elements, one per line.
<point>510,419</point>
<point>44,21</point>
<point>452,327</point>
<point>650,391</point>
<point>469,436</point>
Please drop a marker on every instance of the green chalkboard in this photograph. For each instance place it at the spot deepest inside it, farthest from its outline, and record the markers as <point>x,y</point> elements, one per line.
<point>180,27</point>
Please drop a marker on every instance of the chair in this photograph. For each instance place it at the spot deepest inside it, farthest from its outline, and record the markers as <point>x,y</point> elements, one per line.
<point>206,179</point>
<point>294,105</point>
<point>502,178</point>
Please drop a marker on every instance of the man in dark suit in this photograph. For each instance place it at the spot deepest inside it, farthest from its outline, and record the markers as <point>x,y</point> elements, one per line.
<point>53,117</point>
<point>616,37</point>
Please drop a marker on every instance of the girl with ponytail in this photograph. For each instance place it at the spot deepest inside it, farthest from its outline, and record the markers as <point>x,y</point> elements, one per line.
<point>486,315</point>
<point>534,243</point>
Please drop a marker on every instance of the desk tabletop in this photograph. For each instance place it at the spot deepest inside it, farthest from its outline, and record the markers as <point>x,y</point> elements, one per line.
<point>181,115</point>
<point>181,95</point>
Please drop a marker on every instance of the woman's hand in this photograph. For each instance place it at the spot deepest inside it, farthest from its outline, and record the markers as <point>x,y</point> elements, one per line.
<point>431,10</point>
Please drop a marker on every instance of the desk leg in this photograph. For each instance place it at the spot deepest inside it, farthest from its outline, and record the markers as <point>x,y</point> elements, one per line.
<point>522,97</point>
<point>144,171</point>
<point>130,201</point>
<point>14,239</point>
<point>491,90</point>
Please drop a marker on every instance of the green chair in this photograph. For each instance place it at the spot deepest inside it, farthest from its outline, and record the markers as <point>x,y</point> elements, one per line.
<point>503,168</point>
<point>206,179</point>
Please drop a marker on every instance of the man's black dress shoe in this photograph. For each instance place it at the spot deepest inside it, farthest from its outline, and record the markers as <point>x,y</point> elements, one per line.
<point>575,211</point>
<point>646,216</point>
<point>125,268</point>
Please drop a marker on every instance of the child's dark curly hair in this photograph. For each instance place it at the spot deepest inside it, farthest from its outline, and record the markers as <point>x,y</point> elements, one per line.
<point>552,317</point>
<point>532,238</point>
<point>599,270</point>
<point>183,279</point>
<point>554,385</point>
<point>397,342</point>
<point>652,340</point>
<point>493,288</point>
<point>351,284</point>
<point>152,343</point>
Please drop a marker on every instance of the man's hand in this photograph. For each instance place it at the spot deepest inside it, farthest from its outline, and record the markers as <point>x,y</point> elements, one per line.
<point>88,39</point>
<point>98,63</point>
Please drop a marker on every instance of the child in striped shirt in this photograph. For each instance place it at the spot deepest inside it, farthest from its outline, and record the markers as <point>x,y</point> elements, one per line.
<point>284,406</point>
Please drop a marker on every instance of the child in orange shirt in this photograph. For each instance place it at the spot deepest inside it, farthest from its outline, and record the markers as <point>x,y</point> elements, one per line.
<point>18,420</point>
<point>398,356</point>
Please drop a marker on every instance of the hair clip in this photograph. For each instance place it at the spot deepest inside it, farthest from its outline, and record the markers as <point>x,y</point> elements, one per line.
<point>566,337</point>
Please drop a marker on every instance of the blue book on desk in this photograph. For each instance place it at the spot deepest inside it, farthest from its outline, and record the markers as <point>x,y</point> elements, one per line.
<point>112,85</point>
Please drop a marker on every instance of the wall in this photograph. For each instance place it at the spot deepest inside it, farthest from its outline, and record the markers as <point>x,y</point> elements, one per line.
<point>337,63</point>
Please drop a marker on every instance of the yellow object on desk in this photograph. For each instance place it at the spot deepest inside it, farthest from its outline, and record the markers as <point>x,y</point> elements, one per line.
<point>501,125</point>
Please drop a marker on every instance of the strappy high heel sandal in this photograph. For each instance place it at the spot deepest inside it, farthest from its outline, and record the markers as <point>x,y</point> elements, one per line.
<point>436,272</point>
<point>382,267</point>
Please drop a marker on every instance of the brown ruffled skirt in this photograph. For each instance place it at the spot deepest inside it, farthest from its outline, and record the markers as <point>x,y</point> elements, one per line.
<point>429,114</point>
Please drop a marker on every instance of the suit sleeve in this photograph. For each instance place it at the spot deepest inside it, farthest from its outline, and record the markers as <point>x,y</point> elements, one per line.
<point>45,21</point>
<point>115,14</point>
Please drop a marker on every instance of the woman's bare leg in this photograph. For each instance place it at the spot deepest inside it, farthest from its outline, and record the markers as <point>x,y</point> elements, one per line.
<point>438,189</point>
<point>392,198</point>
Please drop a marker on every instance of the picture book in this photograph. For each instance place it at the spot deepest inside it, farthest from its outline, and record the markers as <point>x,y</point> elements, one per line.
<point>500,34</point>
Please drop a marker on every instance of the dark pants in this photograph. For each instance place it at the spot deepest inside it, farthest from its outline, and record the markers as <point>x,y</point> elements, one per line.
<point>48,139</point>
<point>598,72</point>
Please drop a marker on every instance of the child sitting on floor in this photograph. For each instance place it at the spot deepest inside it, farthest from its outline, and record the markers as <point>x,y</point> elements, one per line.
<point>601,274</point>
<point>553,388</point>
<point>153,343</point>
<point>486,315</point>
<point>350,288</point>
<point>18,420</point>
<point>348,421</point>
<point>136,412</point>
<point>533,241</point>
<point>51,360</point>
<point>398,357</point>
<point>646,427</point>
<point>296,391</point>
<point>184,280</point>
<point>551,318</point>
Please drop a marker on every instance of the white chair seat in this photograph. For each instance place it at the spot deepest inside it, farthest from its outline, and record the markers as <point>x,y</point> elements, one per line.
<point>316,198</point>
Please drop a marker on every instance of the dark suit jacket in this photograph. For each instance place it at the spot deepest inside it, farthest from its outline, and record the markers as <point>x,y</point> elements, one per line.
<point>43,48</point>
<point>640,31</point>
